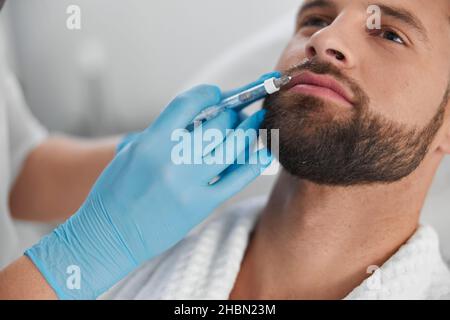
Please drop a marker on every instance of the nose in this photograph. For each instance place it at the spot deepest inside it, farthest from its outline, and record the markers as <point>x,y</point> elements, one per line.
<point>327,45</point>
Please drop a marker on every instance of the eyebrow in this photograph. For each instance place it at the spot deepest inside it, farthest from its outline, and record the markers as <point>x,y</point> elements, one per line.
<point>316,4</point>
<point>406,17</point>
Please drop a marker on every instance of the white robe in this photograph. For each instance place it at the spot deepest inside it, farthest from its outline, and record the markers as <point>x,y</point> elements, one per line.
<point>206,263</point>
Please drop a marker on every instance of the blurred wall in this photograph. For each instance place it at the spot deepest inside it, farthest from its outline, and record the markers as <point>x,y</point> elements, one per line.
<point>128,60</point>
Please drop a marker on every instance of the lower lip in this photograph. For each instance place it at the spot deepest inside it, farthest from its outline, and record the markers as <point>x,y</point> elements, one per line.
<point>322,92</point>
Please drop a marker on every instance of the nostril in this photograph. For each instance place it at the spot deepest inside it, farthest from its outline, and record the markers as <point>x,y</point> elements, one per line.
<point>340,56</point>
<point>337,54</point>
<point>311,52</point>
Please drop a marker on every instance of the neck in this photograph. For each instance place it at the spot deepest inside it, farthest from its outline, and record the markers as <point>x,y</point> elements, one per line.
<point>323,239</point>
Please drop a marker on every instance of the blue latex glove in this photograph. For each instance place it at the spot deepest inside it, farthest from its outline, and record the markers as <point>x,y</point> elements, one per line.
<point>126,139</point>
<point>143,204</point>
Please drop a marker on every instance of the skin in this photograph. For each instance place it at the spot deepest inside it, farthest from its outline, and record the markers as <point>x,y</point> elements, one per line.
<point>323,238</point>
<point>57,177</point>
<point>22,280</point>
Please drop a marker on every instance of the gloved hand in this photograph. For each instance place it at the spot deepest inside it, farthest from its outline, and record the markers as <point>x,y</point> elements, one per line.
<point>143,203</point>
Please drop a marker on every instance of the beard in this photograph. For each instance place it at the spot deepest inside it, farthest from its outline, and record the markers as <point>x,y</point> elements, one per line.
<point>328,145</point>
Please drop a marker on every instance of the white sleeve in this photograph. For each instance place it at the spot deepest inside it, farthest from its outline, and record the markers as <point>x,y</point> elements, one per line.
<point>24,131</point>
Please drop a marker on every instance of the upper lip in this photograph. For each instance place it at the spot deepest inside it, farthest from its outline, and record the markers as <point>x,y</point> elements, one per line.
<point>321,81</point>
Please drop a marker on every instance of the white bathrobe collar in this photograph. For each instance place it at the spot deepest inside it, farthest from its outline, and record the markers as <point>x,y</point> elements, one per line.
<point>205,265</point>
<point>415,271</point>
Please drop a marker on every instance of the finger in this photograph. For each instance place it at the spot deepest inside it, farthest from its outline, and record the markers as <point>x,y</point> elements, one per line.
<point>186,106</point>
<point>213,132</point>
<point>242,175</point>
<point>235,145</point>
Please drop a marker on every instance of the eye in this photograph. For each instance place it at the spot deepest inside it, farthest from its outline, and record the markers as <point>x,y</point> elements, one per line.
<point>389,35</point>
<point>316,22</point>
<point>392,36</point>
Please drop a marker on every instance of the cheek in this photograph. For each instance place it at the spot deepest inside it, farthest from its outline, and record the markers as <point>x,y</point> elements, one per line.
<point>293,54</point>
<point>405,97</point>
<point>406,87</point>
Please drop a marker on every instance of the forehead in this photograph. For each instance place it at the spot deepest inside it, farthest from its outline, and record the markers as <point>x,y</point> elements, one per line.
<point>436,8</point>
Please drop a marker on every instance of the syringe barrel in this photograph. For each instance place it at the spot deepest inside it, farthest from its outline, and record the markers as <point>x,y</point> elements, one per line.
<point>238,100</point>
<point>245,97</point>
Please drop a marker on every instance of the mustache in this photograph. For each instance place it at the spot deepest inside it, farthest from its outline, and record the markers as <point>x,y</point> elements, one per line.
<point>327,68</point>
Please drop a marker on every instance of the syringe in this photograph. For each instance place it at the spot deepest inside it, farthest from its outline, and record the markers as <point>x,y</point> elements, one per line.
<point>247,96</point>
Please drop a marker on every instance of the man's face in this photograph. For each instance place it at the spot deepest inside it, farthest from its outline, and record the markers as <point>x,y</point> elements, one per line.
<point>366,103</point>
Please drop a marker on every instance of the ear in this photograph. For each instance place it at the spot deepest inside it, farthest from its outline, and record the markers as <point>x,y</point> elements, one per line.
<point>444,147</point>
